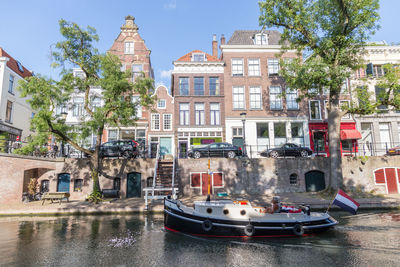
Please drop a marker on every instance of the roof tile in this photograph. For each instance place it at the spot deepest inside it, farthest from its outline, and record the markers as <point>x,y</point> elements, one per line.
<point>12,64</point>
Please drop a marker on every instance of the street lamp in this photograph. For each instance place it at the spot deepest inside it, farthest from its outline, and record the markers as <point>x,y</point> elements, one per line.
<point>243,116</point>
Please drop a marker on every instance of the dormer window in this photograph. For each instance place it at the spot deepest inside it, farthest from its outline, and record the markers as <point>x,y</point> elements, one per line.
<point>261,39</point>
<point>198,57</point>
<point>21,69</point>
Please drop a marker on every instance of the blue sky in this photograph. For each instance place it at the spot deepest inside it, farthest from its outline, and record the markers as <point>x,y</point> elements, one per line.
<point>170,28</point>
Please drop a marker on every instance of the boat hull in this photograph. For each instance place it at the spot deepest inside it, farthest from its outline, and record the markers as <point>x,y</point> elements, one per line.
<point>177,220</point>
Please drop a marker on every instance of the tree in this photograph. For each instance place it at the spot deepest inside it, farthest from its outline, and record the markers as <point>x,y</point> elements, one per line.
<point>102,78</point>
<point>332,32</point>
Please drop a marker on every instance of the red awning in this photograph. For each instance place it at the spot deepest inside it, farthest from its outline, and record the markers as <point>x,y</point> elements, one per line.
<point>350,134</point>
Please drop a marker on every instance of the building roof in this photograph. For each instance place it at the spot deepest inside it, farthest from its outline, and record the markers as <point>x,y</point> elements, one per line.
<point>15,65</point>
<point>188,57</point>
<point>246,37</point>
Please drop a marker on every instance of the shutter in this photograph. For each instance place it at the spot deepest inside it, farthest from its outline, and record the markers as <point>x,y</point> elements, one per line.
<point>370,69</point>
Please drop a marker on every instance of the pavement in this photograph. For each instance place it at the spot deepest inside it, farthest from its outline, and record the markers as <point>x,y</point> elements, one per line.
<point>137,205</point>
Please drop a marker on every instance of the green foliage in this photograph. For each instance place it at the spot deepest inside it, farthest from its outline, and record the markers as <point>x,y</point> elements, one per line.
<point>95,197</point>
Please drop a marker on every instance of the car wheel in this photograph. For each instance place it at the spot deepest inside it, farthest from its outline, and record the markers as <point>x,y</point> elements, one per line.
<point>196,155</point>
<point>274,154</point>
<point>126,154</point>
<point>303,153</point>
<point>231,154</point>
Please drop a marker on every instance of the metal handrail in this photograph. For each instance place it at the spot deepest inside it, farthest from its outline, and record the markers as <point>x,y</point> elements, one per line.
<point>173,177</point>
<point>155,169</point>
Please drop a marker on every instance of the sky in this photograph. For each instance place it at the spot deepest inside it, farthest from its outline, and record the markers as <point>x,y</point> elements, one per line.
<point>170,28</point>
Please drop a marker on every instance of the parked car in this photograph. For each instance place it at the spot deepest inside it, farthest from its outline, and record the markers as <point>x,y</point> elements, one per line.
<point>215,150</point>
<point>119,148</point>
<point>287,150</point>
<point>393,151</point>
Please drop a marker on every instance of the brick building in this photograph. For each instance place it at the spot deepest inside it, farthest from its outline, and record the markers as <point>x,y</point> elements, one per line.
<point>135,56</point>
<point>197,85</point>
<point>253,86</point>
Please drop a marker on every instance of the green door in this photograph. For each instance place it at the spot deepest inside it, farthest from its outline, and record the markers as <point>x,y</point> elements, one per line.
<point>134,185</point>
<point>165,146</point>
<point>315,181</point>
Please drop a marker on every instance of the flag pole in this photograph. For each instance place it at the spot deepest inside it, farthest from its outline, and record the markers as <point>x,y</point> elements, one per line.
<point>208,181</point>
<point>330,204</point>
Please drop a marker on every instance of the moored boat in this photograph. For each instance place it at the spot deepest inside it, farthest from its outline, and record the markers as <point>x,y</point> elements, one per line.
<point>227,218</point>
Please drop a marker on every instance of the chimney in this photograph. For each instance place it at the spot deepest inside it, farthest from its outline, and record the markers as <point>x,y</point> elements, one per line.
<point>222,39</point>
<point>215,46</point>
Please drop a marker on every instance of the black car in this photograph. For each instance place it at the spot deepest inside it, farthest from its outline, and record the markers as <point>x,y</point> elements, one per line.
<point>215,150</point>
<point>287,150</point>
<point>119,148</point>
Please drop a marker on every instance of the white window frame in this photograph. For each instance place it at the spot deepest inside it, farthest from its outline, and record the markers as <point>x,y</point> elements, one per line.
<point>259,40</point>
<point>139,112</point>
<point>167,118</point>
<point>217,85</point>
<point>238,70</point>
<point>78,106</point>
<point>326,103</point>
<point>11,84</point>
<point>319,109</point>
<point>237,129</point>
<point>253,66</point>
<point>215,114</point>
<point>275,98</point>
<point>199,114</point>
<point>184,118</point>
<point>10,119</point>
<point>255,97</point>
<point>135,73</point>
<point>273,68</point>
<point>240,103</point>
<point>155,117</point>
<point>202,55</point>
<point>289,94</point>
<point>129,47</point>
<point>188,86</point>
<point>196,92</point>
<point>162,106</point>
<point>348,115</point>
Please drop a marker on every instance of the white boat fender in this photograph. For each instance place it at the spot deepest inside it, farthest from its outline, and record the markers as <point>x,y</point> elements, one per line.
<point>249,230</point>
<point>298,229</point>
<point>207,225</point>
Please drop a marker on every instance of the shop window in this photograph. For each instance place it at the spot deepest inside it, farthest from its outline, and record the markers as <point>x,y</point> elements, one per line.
<point>44,186</point>
<point>78,183</point>
<point>117,183</point>
<point>195,180</point>
<point>293,179</point>
<point>347,145</point>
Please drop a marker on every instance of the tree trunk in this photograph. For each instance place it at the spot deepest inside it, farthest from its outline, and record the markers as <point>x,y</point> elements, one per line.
<point>95,163</point>
<point>335,159</point>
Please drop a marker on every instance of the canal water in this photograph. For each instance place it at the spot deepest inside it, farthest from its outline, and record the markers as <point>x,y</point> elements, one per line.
<point>367,239</point>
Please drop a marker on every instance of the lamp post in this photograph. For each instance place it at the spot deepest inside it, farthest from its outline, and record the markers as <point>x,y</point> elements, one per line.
<point>243,116</point>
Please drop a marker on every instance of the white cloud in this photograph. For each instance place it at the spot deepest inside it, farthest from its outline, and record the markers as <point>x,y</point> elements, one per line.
<point>165,73</point>
<point>171,4</point>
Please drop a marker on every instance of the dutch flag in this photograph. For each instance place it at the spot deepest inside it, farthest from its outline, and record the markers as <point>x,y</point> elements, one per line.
<point>345,202</point>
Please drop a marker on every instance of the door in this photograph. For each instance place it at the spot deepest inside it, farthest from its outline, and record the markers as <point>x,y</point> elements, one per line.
<point>391,181</point>
<point>64,180</point>
<point>319,142</point>
<point>204,184</point>
<point>315,181</point>
<point>165,146</point>
<point>153,150</point>
<point>183,149</point>
<point>133,185</point>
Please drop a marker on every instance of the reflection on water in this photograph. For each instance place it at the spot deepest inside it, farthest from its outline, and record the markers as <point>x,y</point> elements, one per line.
<point>139,240</point>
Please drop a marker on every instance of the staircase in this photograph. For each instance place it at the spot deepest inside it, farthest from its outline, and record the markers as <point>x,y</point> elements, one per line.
<point>164,176</point>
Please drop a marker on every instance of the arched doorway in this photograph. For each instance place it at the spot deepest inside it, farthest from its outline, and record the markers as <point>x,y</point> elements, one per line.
<point>134,185</point>
<point>315,181</point>
<point>64,180</point>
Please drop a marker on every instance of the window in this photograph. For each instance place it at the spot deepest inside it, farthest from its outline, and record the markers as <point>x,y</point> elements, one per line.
<point>20,68</point>
<point>297,132</point>
<point>199,113</point>
<point>293,179</point>
<point>137,70</point>
<point>129,47</point>
<point>112,135</point>
<point>11,84</point>
<point>155,121</point>
<point>198,85</point>
<point>254,67</point>
<point>291,99</point>
<point>273,66</point>
<point>9,111</point>
<point>195,180</point>
<point>260,39</point>
<point>237,67</point>
<point>214,86</point>
<point>238,97</point>
<point>78,107</point>
<point>315,110</point>
<point>117,184</point>
<point>96,103</point>
<point>161,104</point>
<point>275,97</point>
<point>262,130</point>
<point>347,145</point>
<point>255,97</point>
<point>215,114</point>
<point>237,132</point>
<point>184,113</point>
<point>136,102</point>
<point>344,90</point>
<point>78,183</point>
<point>44,186</point>
<point>184,86</point>
<point>167,120</point>
<point>384,132</point>
<point>326,102</point>
<point>198,57</point>
<point>380,96</point>
<point>280,133</point>
<point>375,70</point>
<point>345,105</point>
